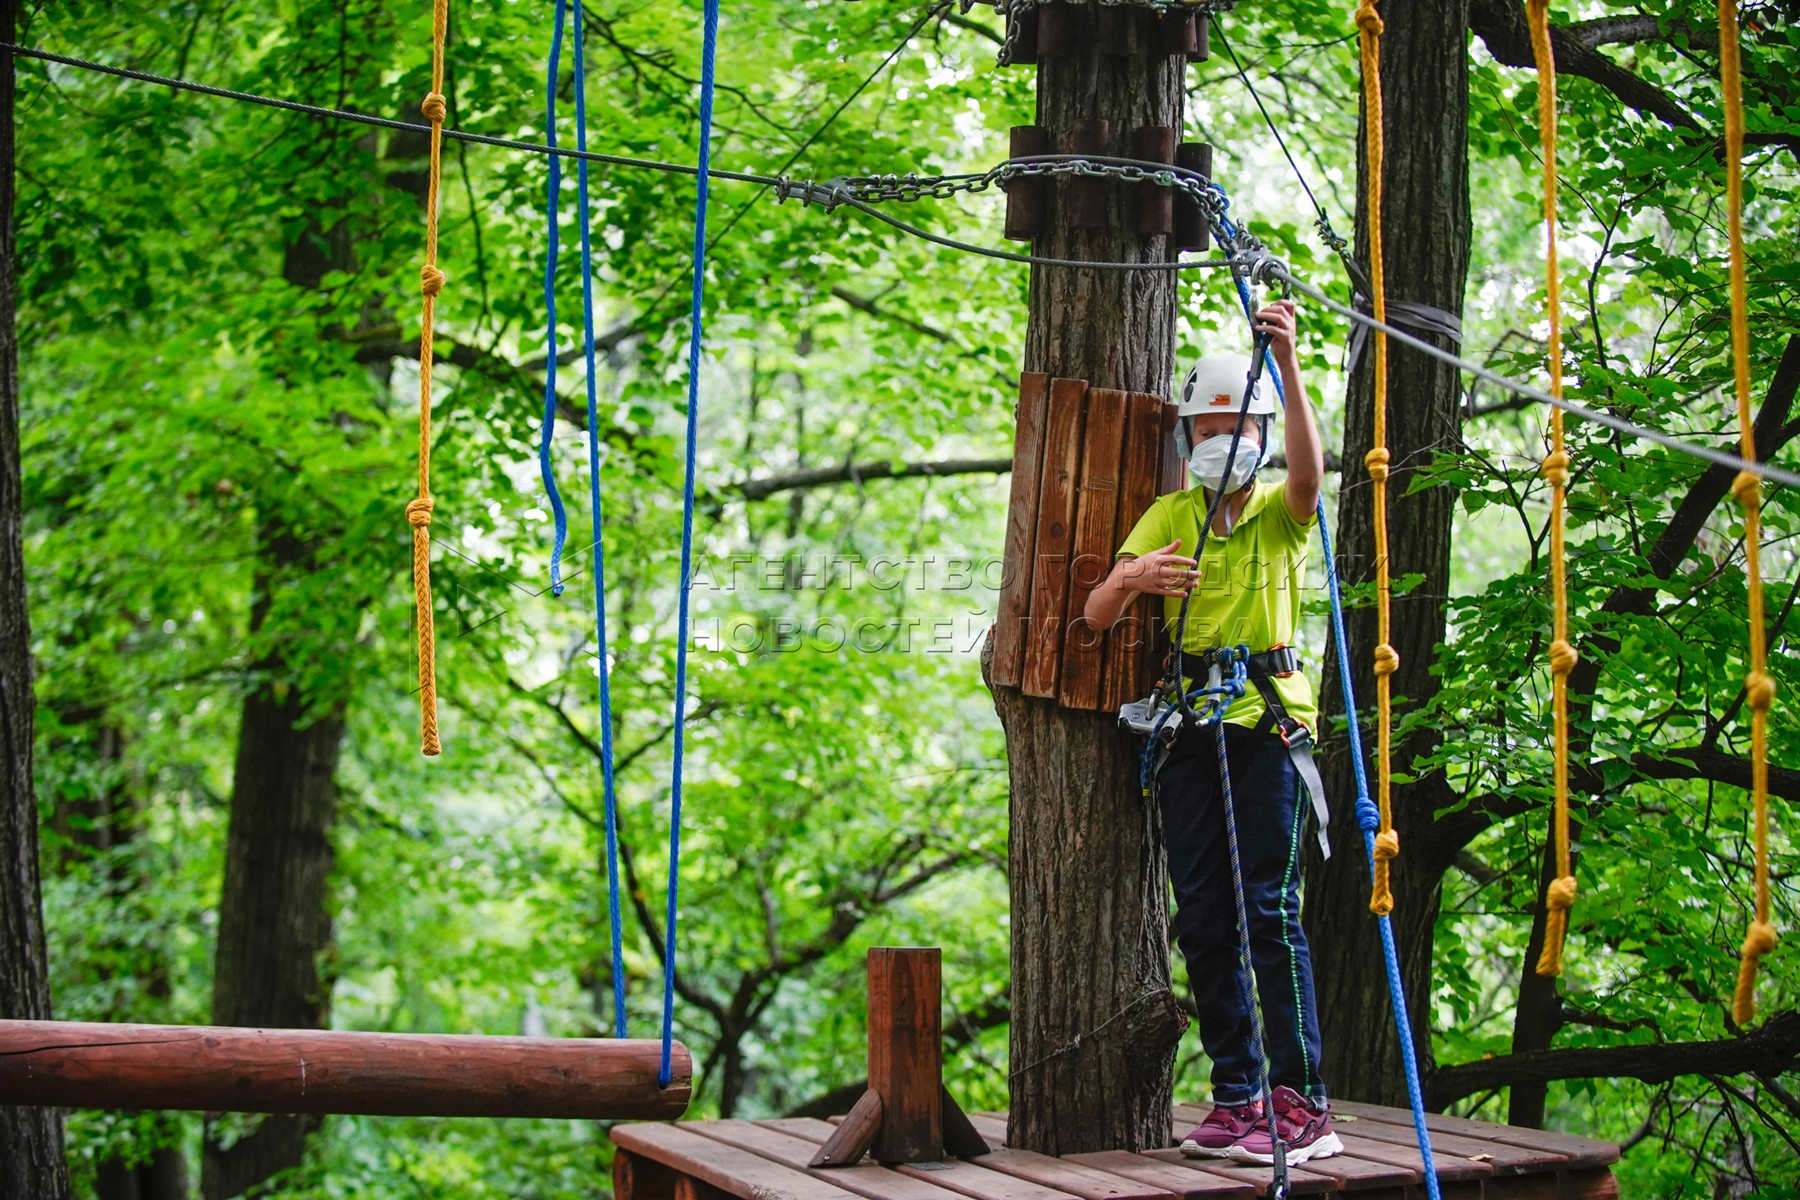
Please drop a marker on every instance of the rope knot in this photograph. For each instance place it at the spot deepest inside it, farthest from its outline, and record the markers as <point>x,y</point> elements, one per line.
<point>1556,468</point>
<point>1387,659</point>
<point>1560,895</point>
<point>431,280</point>
<point>434,108</point>
<point>1387,845</point>
<point>1377,462</point>
<point>1746,486</point>
<point>1563,658</point>
<point>1759,691</point>
<point>1367,19</point>
<point>1760,939</point>
<point>418,512</point>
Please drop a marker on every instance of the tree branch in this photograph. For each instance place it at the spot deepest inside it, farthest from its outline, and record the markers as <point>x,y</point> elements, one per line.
<point>762,489</point>
<point>1772,1048</point>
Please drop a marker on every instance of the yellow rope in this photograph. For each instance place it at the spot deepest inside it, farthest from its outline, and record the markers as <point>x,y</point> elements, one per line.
<point>1759,686</point>
<point>1559,897</point>
<point>1387,661</point>
<point>431,282</point>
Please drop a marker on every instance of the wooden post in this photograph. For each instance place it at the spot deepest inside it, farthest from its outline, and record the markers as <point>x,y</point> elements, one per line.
<point>639,1178</point>
<point>71,1064</point>
<point>906,1053</point>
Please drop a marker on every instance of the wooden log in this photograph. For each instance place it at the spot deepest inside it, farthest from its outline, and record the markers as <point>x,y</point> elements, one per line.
<point>1055,533</point>
<point>1154,206</point>
<point>1013,623</point>
<point>1061,29</point>
<point>1096,518</point>
<point>1116,30</point>
<point>854,1134</point>
<point>1177,34</point>
<point>906,1053</point>
<point>637,1178</point>
<point>1191,231</point>
<point>1203,37</point>
<point>72,1064</point>
<point>1140,477</point>
<point>1025,44</point>
<point>1027,198</point>
<point>1088,195</point>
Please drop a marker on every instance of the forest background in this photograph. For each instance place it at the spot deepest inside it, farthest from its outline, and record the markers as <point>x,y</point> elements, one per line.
<point>219,374</point>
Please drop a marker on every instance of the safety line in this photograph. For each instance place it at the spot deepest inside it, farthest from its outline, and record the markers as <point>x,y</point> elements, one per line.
<point>552,243</point>
<point>710,38</point>
<point>601,655</point>
<point>1559,894</point>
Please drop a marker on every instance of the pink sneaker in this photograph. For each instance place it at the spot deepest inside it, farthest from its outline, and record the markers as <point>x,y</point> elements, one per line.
<point>1304,1130</point>
<point>1223,1126</point>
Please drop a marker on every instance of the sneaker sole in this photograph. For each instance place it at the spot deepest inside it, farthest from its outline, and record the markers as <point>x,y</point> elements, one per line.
<point>1324,1147</point>
<point>1196,1150</point>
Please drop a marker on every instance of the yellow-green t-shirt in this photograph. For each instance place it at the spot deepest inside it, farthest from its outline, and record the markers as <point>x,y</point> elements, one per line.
<point>1249,588</point>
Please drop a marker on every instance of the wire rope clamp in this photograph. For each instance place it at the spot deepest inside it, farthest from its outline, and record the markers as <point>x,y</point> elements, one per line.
<point>827,195</point>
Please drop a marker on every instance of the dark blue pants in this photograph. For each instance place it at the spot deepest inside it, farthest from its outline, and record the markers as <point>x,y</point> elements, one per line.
<point>1271,818</point>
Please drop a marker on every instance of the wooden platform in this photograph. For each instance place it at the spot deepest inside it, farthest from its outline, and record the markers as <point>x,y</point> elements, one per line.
<point>767,1160</point>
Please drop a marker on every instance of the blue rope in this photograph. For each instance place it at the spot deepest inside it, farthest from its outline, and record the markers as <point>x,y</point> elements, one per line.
<point>550,218</point>
<point>1368,816</point>
<point>593,443</point>
<point>711,37</point>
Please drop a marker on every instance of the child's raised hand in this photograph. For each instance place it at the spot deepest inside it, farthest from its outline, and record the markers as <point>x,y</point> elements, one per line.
<point>1162,572</point>
<point>1278,321</point>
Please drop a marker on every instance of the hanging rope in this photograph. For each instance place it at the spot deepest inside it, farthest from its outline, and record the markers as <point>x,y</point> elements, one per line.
<point>707,55</point>
<point>1559,897</point>
<point>552,243</point>
<point>1759,685</point>
<point>1387,842</point>
<point>431,282</point>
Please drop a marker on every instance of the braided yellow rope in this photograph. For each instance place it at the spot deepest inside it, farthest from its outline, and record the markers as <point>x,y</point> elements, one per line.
<point>1559,897</point>
<point>1759,686</point>
<point>431,282</point>
<point>1387,661</point>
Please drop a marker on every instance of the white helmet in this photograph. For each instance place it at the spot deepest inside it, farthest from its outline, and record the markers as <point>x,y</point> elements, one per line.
<point>1216,383</point>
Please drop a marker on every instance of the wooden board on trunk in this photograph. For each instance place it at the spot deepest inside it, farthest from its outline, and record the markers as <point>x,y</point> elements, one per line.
<point>1055,536</point>
<point>1021,530</point>
<point>1096,518</point>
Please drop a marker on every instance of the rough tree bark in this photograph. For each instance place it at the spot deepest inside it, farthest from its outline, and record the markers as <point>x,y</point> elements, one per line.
<point>1425,215</point>
<point>31,1139</point>
<point>1090,951</point>
<point>273,920</point>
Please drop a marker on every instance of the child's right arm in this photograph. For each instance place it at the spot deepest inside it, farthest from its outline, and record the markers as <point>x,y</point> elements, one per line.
<point>1162,572</point>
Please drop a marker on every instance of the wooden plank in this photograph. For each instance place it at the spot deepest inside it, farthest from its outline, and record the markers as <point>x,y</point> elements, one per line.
<point>1139,476</point>
<point>1304,1182</point>
<point>1013,623</point>
<point>637,1178</point>
<point>906,1052</point>
<point>991,1126</point>
<point>1185,1184</point>
<point>1450,1168</point>
<point>1096,519</point>
<point>965,1179</point>
<point>1581,1152</point>
<point>78,1064</point>
<point>854,1135</point>
<point>1361,1174</point>
<point>869,1180</point>
<point>688,1187</point>
<point>1595,1183</point>
<point>1055,532</point>
<point>737,1171</point>
<point>1073,1178</point>
<point>1506,1158</point>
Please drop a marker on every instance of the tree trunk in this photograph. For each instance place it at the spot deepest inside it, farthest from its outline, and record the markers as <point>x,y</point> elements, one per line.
<point>273,921</point>
<point>31,1139</point>
<point>1089,890</point>
<point>1424,69</point>
<point>1538,1014</point>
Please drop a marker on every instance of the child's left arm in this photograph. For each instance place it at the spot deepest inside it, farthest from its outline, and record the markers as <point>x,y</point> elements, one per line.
<point>1305,456</point>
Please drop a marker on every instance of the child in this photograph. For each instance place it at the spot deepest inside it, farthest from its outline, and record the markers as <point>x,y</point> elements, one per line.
<point>1247,592</point>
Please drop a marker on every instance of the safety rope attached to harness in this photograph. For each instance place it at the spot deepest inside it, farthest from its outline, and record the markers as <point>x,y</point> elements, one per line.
<point>431,282</point>
<point>1387,661</point>
<point>1759,685</point>
<point>1559,897</point>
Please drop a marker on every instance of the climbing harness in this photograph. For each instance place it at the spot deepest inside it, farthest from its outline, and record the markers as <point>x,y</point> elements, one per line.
<point>431,282</point>
<point>1559,897</point>
<point>1759,685</point>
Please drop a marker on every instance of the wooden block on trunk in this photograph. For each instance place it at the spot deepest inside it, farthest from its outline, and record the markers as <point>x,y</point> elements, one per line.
<point>1154,208</point>
<point>1013,625</point>
<point>1027,197</point>
<point>1055,534</point>
<point>1191,231</point>
<point>1140,476</point>
<point>1096,518</point>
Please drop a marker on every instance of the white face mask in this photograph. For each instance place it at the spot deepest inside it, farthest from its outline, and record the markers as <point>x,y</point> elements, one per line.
<point>1207,462</point>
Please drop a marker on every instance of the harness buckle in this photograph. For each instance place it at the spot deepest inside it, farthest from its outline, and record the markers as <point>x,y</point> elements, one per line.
<point>1294,733</point>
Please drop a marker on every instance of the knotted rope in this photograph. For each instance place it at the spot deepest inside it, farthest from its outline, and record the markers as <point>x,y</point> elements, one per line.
<point>1759,686</point>
<point>1559,896</point>
<point>1387,659</point>
<point>431,282</point>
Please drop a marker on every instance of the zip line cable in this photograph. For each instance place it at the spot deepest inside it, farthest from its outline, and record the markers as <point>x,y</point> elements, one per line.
<point>1268,266</point>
